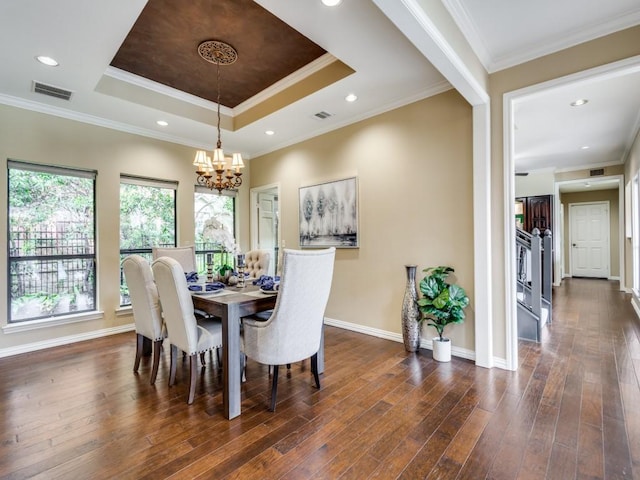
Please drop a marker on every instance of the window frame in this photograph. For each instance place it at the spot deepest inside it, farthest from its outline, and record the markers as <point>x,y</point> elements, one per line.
<point>51,318</point>
<point>143,251</point>
<point>201,253</point>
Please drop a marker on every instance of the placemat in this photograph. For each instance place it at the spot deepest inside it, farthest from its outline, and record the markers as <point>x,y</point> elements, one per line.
<point>258,293</point>
<point>219,293</point>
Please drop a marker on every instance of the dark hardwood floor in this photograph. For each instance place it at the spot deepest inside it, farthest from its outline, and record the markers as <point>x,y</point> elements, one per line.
<point>572,410</point>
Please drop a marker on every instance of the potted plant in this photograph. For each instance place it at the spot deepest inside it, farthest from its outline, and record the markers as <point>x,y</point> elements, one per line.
<point>442,303</point>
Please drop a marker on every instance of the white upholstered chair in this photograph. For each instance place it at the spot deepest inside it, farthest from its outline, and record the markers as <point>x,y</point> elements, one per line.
<point>186,256</point>
<point>294,329</point>
<point>184,331</point>
<point>146,309</point>
<point>257,263</point>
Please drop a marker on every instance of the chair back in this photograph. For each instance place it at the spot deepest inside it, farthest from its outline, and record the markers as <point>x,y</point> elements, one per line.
<point>186,256</point>
<point>177,304</point>
<point>257,262</point>
<point>144,297</point>
<point>294,330</point>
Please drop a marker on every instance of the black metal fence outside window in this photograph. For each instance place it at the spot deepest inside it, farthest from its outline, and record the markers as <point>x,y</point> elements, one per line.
<point>51,270</point>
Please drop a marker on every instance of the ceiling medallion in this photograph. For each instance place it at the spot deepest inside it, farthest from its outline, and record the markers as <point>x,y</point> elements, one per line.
<point>217,52</point>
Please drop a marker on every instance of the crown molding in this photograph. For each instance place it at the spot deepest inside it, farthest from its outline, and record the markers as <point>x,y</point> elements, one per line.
<point>97,121</point>
<point>566,40</point>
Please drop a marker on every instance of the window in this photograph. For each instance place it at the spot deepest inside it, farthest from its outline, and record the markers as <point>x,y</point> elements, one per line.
<point>147,219</point>
<point>51,241</point>
<point>208,204</point>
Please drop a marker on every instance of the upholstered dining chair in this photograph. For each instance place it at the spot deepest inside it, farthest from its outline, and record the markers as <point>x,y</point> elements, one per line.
<point>294,330</point>
<point>145,304</point>
<point>257,263</point>
<point>186,256</point>
<point>183,330</point>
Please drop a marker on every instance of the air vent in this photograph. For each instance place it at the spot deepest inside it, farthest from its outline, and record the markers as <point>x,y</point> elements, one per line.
<point>52,91</point>
<point>322,115</point>
<point>596,172</point>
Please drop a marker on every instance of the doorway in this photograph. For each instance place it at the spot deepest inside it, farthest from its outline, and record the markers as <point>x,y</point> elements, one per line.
<point>589,239</point>
<point>265,223</point>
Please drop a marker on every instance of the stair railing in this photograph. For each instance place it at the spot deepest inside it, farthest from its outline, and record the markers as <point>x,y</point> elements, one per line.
<point>534,271</point>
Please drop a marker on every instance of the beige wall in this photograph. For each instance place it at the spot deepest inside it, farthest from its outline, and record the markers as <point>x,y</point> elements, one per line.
<point>414,170</point>
<point>604,50</point>
<point>39,138</point>
<point>610,196</point>
<point>535,184</point>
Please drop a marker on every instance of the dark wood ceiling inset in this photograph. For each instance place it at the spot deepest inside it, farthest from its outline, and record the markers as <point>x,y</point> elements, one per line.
<point>162,46</point>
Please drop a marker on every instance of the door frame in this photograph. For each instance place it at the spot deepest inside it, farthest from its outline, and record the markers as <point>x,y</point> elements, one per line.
<point>509,100</point>
<point>559,240</point>
<point>570,236</point>
<point>253,218</point>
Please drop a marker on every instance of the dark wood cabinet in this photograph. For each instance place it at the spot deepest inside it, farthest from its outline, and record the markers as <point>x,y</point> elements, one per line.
<point>537,212</point>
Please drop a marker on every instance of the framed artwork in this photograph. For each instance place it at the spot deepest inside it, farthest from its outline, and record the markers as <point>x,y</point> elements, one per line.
<point>328,214</point>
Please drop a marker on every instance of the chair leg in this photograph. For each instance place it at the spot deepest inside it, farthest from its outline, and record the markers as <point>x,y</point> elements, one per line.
<point>172,368</point>
<point>274,389</point>
<point>157,347</point>
<point>193,377</point>
<point>314,369</point>
<point>139,346</point>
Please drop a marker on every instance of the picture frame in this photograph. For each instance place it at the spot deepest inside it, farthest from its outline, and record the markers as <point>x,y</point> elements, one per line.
<point>328,214</point>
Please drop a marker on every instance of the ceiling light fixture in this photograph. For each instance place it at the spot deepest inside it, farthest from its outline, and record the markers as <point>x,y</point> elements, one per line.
<point>331,3</point>
<point>585,147</point>
<point>269,132</point>
<point>227,170</point>
<point>579,102</point>
<point>351,97</point>
<point>162,123</point>
<point>48,61</point>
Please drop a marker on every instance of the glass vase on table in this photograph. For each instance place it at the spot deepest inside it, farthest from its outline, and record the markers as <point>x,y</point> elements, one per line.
<point>209,267</point>
<point>241,267</point>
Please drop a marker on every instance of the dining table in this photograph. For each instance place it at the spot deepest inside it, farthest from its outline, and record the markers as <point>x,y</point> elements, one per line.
<point>230,305</point>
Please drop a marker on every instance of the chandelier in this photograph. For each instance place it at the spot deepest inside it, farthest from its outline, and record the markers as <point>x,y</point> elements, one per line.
<point>221,173</point>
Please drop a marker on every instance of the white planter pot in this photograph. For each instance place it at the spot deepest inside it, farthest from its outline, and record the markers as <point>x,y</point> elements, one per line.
<point>441,349</point>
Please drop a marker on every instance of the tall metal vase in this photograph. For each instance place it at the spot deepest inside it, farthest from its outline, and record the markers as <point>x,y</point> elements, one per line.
<point>410,312</point>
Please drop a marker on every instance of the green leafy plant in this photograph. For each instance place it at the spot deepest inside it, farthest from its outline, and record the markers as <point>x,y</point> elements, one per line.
<point>442,303</point>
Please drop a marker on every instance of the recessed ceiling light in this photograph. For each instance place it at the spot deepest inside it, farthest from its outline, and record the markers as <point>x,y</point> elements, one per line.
<point>50,62</point>
<point>269,132</point>
<point>331,3</point>
<point>580,101</point>
<point>587,184</point>
<point>351,97</point>
<point>585,147</point>
<point>162,123</point>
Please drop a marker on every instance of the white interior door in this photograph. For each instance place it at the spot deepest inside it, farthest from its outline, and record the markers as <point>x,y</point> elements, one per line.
<point>268,225</point>
<point>589,224</point>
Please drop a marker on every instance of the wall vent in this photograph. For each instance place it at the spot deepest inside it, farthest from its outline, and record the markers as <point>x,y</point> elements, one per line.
<point>596,171</point>
<point>52,91</point>
<point>322,115</point>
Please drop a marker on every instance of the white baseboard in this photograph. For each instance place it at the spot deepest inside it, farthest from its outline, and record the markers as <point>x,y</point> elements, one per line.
<point>396,337</point>
<point>56,342</point>
<point>634,304</point>
<point>614,278</point>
